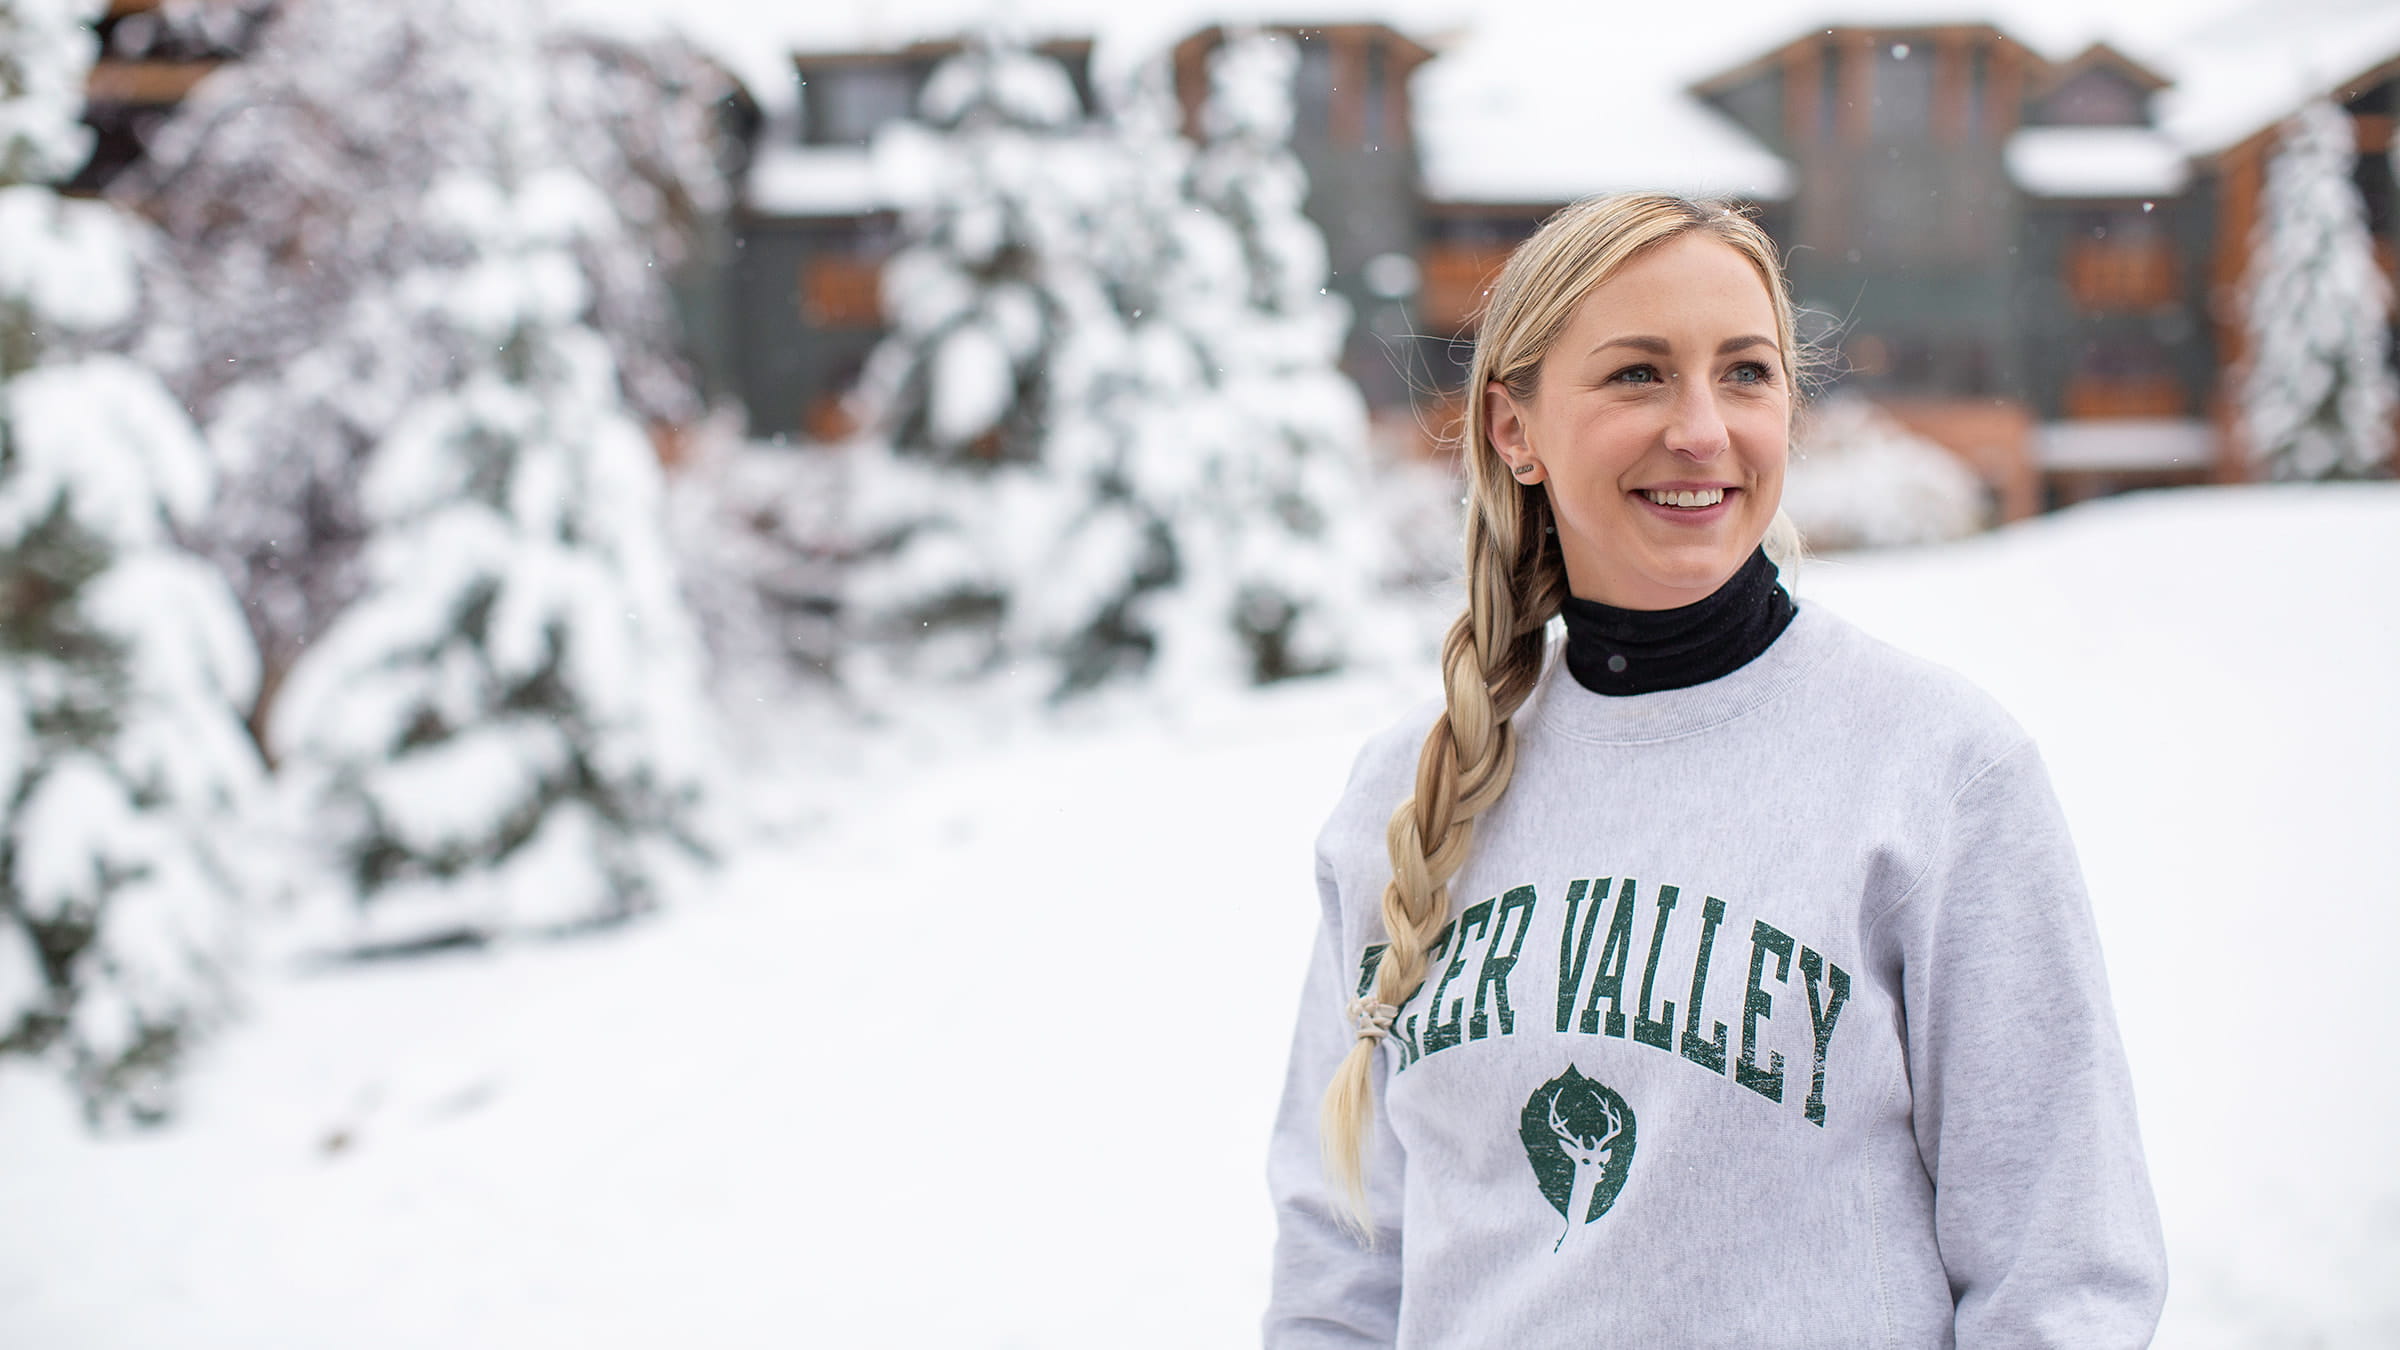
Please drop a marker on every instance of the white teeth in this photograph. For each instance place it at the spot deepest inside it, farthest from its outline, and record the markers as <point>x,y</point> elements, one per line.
<point>1703,497</point>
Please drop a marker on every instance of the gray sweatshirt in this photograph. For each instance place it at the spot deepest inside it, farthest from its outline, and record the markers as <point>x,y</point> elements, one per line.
<point>1771,1014</point>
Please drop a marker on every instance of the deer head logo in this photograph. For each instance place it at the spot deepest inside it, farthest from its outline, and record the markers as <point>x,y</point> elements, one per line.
<point>1579,1137</point>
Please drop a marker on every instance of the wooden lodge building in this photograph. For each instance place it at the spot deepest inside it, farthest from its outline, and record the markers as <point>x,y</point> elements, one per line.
<point>2030,255</point>
<point>2016,255</point>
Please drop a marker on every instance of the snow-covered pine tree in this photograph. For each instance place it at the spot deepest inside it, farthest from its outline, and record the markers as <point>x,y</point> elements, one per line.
<point>505,734</point>
<point>125,775</point>
<point>1158,450</point>
<point>998,326</point>
<point>1218,447</point>
<point>2317,391</point>
<point>1860,479</point>
<point>756,529</point>
<point>1178,488</point>
<point>291,186</point>
<point>645,121</point>
<point>1307,558</point>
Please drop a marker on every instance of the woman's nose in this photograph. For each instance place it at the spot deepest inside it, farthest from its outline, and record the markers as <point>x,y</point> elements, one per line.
<point>1696,428</point>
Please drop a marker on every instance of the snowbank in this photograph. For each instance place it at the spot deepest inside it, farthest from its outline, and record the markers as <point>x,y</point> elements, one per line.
<point>1862,480</point>
<point>989,1061</point>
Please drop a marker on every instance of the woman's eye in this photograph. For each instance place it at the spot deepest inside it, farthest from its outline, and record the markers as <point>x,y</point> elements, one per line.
<point>1751,372</point>
<point>1636,375</point>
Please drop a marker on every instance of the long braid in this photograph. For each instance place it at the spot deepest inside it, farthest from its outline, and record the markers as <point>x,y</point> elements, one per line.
<point>1490,660</point>
<point>1516,582</point>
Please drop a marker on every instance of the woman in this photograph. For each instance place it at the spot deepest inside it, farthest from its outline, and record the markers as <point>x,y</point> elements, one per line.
<point>1724,977</point>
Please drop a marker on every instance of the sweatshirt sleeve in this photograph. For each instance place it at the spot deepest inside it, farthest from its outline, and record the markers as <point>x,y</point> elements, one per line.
<point>1328,1289</point>
<point>2023,1106</point>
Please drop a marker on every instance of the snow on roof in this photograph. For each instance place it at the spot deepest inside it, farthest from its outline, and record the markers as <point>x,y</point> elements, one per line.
<point>2248,70</point>
<point>813,180</point>
<point>758,41</point>
<point>2096,162</point>
<point>1536,106</point>
<point>1547,100</point>
<point>1677,145</point>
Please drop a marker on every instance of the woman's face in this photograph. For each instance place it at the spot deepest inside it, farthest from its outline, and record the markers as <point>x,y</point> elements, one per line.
<point>1659,426</point>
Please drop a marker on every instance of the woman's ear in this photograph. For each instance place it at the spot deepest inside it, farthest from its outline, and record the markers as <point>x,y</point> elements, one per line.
<point>1504,427</point>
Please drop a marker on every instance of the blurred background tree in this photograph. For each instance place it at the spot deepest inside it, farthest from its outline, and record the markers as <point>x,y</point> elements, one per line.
<point>126,783</point>
<point>2319,393</point>
<point>999,331</point>
<point>292,188</point>
<point>1110,436</point>
<point>504,731</point>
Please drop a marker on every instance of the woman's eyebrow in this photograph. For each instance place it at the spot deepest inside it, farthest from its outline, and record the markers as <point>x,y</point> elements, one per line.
<point>1655,346</point>
<point>1658,346</point>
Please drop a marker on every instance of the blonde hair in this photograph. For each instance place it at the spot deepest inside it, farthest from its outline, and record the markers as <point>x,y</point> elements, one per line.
<point>1515,582</point>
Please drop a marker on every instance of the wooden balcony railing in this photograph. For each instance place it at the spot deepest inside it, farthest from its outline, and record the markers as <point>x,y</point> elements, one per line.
<point>1993,437</point>
<point>841,292</point>
<point>2127,396</point>
<point>828,418</point>
<point>2102,275</point>
<point>152,82</point>
<point>1454,280</point>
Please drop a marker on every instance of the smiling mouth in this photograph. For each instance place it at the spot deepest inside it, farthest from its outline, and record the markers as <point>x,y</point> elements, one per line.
<point>1688,500</point>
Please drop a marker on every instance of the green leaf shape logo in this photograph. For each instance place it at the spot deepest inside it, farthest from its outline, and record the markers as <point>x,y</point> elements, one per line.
<point>1579,1136</point>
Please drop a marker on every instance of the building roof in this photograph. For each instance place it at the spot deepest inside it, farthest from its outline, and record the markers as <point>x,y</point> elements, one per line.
<point>2244,72</point>
<point>1548,100</point>
<point>2100,54</point>
<point>758,41</point>
<point>1543,101</point>
<point>1540,106</point>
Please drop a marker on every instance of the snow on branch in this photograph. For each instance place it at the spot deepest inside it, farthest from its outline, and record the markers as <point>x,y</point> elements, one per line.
<point>2318,390</point>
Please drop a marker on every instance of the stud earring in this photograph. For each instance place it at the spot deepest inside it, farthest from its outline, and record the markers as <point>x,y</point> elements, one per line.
<point>1520,470</point>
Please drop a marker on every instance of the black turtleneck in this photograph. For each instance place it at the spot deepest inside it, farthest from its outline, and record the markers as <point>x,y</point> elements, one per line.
<point>1642,651</point>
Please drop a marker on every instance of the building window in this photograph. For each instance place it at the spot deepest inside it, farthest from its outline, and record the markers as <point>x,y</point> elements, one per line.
<point>845,105</point>
<point>1965,366</point>
<point>1454,278</point>
<point>1979,84</point>
<point>2094,98</point>
<point>839,290</point>
<point>1076,59</point>
<point>1312,89</point>
<point>2382,100</point>
<point>2121,260</point>
<point>2125,374</point>
<point>1375,118</point>
<point>830,415</point>
<point>2376,187</point>
<point>2106,275</point>
<point>1916,364</point>
<point>1829,89</point>
<point>1903,90</point>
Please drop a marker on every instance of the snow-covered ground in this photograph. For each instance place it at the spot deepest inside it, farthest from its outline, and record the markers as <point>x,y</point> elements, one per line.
<point>986,1059</point>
